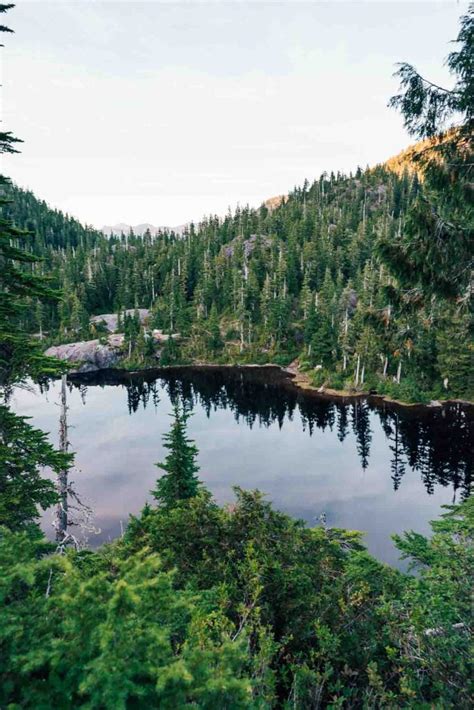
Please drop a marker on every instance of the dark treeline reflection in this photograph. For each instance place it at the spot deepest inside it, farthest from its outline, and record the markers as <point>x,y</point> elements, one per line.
<point>437,443</point>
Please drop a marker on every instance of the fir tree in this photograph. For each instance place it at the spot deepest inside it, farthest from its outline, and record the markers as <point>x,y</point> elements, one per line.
<point>434,249</point>
<point>23,449</point>
<point>215,341</point>
<point>179,481</point>
<point>456,354</point>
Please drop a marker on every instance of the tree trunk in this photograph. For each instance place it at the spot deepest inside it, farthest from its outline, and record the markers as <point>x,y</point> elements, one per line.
<point>357,371</point>
<point>399,372</point>
<point>385,365</point>
<point>62,506</point>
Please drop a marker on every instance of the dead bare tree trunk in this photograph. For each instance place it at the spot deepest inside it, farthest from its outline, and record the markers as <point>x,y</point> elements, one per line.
<point>61,509</point>
<point>399,372</point>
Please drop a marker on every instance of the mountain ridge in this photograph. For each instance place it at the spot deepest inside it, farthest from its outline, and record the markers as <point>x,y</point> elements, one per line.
<point>407,158</point>
<point>140,229</point>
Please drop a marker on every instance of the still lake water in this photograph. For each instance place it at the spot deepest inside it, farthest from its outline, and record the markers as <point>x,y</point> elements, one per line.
<point>378,469</point>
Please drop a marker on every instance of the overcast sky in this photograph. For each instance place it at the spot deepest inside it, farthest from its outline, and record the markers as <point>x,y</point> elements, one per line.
<point>162,112</point>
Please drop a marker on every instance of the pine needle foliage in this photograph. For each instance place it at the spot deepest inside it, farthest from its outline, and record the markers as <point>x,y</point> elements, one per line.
<point>427,107</point>
<point>179,481</point>
<point>434,248</point>
<point>23,449</point>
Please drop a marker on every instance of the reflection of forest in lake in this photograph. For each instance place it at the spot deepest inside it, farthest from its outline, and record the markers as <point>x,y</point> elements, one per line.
<point>437,443</point>
<point>366,466</point>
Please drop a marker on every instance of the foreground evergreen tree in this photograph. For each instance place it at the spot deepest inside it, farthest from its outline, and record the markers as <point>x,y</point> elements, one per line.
<point>179,481</point>
<point>20,355</point>
<point>23,449</point>
<point>436,242</point>
<point>111,631</point>
<point>333,623</point>
<point>432,625</point>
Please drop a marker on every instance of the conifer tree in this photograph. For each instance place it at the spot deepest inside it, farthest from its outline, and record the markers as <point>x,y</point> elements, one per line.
<point>214,338</point>
<point>19,356</point>
<point>179,481</point>
<point>323,342</point>
<point>311,323</point>
<point>455,354</point>
<point>23,449</point>
<point>434,249</point>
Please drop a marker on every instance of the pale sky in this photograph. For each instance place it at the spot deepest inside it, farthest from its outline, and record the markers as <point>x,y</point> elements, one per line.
<point>163,112</point>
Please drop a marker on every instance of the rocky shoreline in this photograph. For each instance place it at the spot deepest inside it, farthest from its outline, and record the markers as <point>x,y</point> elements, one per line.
<point>90,355</point>
<point>290,377</point>
<point>107,353</point>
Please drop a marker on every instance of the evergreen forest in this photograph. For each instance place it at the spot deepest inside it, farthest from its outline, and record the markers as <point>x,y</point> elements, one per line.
<point>309,279</point>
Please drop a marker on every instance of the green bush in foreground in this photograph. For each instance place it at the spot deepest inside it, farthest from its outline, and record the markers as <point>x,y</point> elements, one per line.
<point>101,631</point>
<point>204,607</point>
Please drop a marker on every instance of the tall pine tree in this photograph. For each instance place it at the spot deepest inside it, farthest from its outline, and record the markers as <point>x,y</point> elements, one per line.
<point>23,449</point>
<point>179,481</point>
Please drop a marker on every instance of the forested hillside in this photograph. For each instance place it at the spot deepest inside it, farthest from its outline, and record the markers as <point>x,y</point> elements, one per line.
<point>306,279</point>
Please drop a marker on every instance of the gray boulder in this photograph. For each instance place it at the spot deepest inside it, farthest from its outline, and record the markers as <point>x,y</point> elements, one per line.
<point>89,355</point>
<point>248,244</point>
<point>110,319</point>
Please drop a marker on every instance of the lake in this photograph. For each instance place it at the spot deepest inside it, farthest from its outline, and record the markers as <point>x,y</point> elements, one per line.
<point>361,465</point>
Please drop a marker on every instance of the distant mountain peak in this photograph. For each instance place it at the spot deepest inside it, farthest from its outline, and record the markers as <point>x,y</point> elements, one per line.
<point>139,229</point>
<point>273,202</point>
